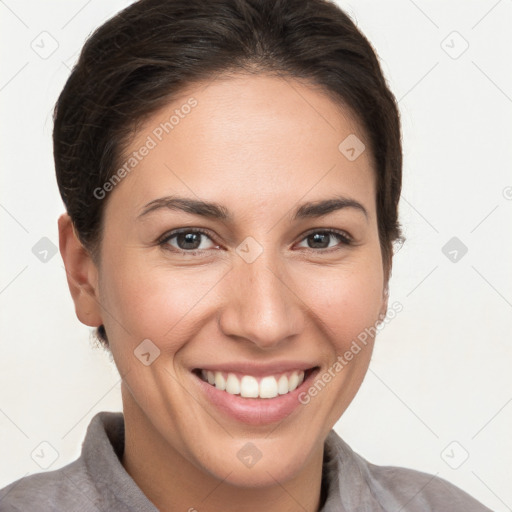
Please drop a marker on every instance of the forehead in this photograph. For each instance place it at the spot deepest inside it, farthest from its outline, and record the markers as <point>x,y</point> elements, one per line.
<point>249,139</point>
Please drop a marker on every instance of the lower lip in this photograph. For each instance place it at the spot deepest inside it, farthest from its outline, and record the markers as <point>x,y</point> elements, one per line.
<point>255,411</point>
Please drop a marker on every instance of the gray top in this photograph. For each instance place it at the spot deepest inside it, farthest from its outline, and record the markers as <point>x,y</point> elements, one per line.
<point>97,481</point>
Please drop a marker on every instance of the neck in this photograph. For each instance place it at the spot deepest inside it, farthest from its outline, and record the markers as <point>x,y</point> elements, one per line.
<point>171,482</point>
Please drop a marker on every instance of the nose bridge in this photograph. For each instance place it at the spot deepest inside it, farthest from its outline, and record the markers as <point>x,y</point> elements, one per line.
<point>261,306</point>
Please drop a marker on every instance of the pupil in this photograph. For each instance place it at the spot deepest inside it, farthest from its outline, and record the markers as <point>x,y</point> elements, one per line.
<point>189,238</point>
<point>320,238</point>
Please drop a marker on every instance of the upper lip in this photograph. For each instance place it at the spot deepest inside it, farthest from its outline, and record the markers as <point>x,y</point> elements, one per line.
<point>257,370</point>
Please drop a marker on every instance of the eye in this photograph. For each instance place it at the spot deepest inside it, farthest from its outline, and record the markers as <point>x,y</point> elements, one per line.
<point>195,241</point>
<point>320,239</point>
<point>187,240</point>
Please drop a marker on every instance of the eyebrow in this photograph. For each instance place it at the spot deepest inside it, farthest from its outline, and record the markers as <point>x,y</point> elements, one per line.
<point>216,211</point>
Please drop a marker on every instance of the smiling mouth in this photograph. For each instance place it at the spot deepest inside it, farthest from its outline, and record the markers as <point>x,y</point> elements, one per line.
<point>248,386</point>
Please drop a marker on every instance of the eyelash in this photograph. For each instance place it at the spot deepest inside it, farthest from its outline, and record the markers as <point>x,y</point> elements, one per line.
<point>343,237</point>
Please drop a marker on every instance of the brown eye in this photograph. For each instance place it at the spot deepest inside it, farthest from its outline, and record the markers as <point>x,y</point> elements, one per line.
<point>322,239</point>
<point>187,240</point>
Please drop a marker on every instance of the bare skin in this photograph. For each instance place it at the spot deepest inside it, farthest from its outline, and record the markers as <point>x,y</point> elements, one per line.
<point>260,146</point>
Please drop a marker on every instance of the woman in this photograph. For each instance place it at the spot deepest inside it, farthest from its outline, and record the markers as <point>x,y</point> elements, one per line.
<point>231,172</point>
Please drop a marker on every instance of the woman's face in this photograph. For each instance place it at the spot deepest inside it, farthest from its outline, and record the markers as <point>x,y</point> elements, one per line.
<point>263,290</point>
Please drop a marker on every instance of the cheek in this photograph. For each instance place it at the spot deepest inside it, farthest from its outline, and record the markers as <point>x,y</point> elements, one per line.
<point>346,300</point>
<point>153,301</point>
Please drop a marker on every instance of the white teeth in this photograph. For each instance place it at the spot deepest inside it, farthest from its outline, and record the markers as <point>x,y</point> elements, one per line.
<point>282,385</point>
<point>293,382</point>
<point>220,381</point>
<point>249,387</point>
<point>268,387</point>
<point>232,385</point>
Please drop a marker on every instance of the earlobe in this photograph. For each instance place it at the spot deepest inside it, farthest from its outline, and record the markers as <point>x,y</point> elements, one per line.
<point>384,308</point>
<point>81,274</point>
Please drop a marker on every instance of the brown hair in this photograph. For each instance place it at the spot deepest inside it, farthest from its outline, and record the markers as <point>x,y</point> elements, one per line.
<point>135,63</point>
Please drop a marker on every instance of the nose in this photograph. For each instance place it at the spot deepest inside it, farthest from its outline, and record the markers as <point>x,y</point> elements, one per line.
<point>262,306</point>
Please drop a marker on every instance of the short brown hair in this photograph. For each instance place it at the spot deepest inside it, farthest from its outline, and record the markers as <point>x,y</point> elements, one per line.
<point>135,63</point>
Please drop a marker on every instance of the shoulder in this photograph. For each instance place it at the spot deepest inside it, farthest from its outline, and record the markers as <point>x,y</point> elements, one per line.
<point>42,491</point>
<point>417,491</point>
<point>83,484</point>
<point>396,488</point>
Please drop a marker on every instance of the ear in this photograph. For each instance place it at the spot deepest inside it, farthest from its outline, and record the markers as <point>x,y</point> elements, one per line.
<point>81,274</point>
